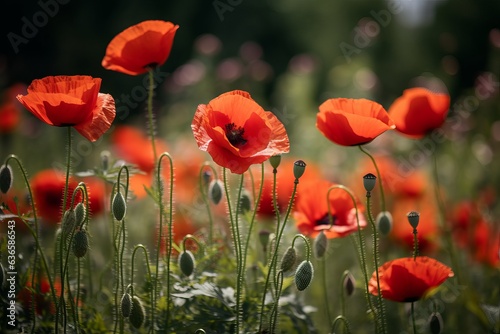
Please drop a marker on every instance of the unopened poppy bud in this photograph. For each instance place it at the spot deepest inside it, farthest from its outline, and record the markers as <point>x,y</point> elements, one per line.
<point>320,245</point>
<point>215,191</point>
<point>275,161</point>
<point>413,218</point>
<point>186,263</point>
<point>68,223</point>
<point>80,243</point>
<point>105,160</point>
<point>299,167</point>
<point>245,202</point>
<point>264,238</point>
<point>80,212</point>
<point>288,259</point>
<point>384,222</point>
<point>369,181</point>
<point>435,323</point>
<point>206,177</point>
<point>126,305</point>
<point>5,178</point>
<point>349,284</point>
<point>119,206</point>
<point>304,275</point>
<point>138,314</point>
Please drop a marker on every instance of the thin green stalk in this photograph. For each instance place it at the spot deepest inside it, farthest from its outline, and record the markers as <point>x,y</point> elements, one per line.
<point>379,176</point>
<point>274,311</point>
<point>150,113</point>
<point>376,256</point>
<point>360,247</point>
<point>344,321</point>
<point>413,318</point>
<point>204,196</point>
<point>325,290</point>
<point>342,292</point>
<point>275,253</point>
<point>240,268</point>
<point>148,267</point>
<point>415,244</point>
<point>170,235</point>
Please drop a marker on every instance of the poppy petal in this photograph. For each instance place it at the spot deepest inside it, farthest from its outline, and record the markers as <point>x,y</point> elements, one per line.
<point>102,117</point>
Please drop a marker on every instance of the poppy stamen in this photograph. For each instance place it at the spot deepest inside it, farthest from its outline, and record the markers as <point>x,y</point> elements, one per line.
<point>235,135</point>
<point>325,220</point>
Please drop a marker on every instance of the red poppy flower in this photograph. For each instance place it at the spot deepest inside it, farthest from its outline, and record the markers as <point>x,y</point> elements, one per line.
<point>43,298</point>
<point>311,211</point>
<point>350,122</point>
<point>237,132</point>
<point>9,117</point>
<point>71,101</point>
<point>138,48</point>
<point>407,279</point>
<point>419,111</point>
<point>48,187</point>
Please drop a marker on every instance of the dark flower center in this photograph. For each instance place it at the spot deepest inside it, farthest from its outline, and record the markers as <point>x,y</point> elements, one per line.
<point>235,135</point>
<point>325,220</point>
<point>150,66</point>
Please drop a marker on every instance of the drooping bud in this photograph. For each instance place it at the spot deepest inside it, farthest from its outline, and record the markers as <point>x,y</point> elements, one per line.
<point>186,263</point>
<point>320,245</point>
<point>80,243</point>
<point>413,218</point>
<point>68,223</point>
<point>215,191</point>
<point>80,213</point>
<point>119,206</point>
<point>369,181</point>
<point>349,284</point>
<point>126,305</point>
<point>137,314</point>
<point>435,323</point>
<point>288,259</point>
<point>5,178</point>
<point>275,161</point>
<point>299,168</point>
<point>384,222</point>
<point>304,275</point>
<point>245,202</point>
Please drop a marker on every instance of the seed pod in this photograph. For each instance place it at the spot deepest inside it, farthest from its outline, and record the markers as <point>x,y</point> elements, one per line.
<point>119,206</point>
<point>215,191</point>
<point>413,218</point>
<point>320,245</point>
<point>80,213</point>
<point>304,275</point>
<point>5,178</point>
<point>186,263</point>
<point>264,238</point>
<point>369,181</point>
<point>275,161</point>
<point>137,314</point>
<point>435,323</point>
<point>299,168</point>
<point>126,305</point>
<point>68,223</point>
<point>80,243</point>
<point>384,222</point>
<point>288,259</point>
<point>349,284</point>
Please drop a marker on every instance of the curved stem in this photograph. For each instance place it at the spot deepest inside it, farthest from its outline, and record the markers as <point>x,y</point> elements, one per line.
<point>150,113</point>
<point>344,321</point>
<point>382,196</point>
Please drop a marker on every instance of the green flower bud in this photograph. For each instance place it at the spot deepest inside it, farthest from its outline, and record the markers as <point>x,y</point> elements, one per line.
<point>435,323</point>
<point>349,284</point>
<point>215,191</point>
<point>413,218</point>
<point>304,275</point>
<point>186,263</point>
<point>264,238</point>
<point>68,223</point>
<point>137,314</point>
<point>369,181</point>
<point>299,168</point>
<point>288,259</point>
<point>320,245</point>
<point>275,161</point>
<point>80,213</point>
<point>384,222</point>
<point>5,178</point>
<point>126,305</point>
<point>80,243</point>
<point>245,202</point>
<point>119,206</point>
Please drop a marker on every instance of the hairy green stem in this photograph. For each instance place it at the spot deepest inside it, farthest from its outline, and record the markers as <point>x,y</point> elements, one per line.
<point>379,176</point>
<point>150,113</point>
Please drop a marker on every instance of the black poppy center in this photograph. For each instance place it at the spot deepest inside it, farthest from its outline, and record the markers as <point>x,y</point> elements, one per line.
<point>325,220</point>
<point>150,66</point>
<point>235,135</point>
